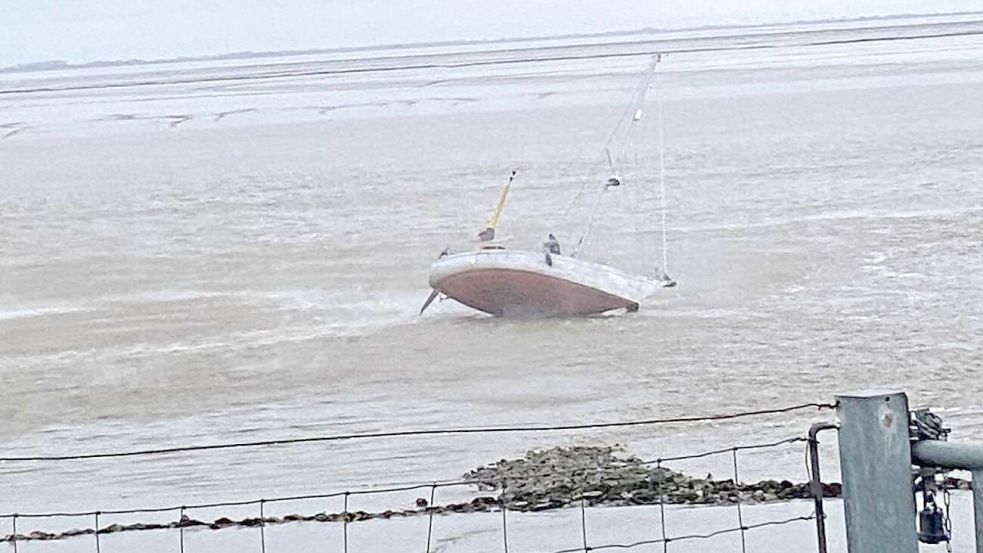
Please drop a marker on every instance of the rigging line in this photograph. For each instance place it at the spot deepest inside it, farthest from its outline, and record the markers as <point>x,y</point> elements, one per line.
<point>590,223</point>
<point>627,117</point>
<point>610,157</point>
<point>420,432</point>
<point>633,196</point>
<point>635,210</point>
<point>624,126</point>
<point>662,183</point>
<point>588,180</point>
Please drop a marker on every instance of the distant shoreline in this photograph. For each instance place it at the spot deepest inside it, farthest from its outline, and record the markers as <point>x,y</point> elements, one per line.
<point>54,65</point>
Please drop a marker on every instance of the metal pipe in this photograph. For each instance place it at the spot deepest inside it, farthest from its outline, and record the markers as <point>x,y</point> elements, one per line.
<point>936,453</point>
<point>978,508</point>
<point>816,483</point>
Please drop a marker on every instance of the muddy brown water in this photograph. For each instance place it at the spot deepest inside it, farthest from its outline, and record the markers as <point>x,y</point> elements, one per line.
<point>169,276</point>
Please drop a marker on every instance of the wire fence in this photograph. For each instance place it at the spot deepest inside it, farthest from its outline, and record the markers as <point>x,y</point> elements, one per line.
<point>415,433</point>
<point>734,492</point>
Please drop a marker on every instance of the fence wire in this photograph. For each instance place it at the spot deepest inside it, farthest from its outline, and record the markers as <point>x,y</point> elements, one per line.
<point>346,516</point>
<point>689,537</point>
<point>430,509</point>
<point>412,433</point>
<point>384,490</point>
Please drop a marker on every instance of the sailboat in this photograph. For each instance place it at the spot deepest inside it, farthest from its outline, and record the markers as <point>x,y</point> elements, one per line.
<point>544,283</point>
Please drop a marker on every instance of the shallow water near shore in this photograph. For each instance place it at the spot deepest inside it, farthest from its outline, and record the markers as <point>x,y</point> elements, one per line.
<point>173,275</point>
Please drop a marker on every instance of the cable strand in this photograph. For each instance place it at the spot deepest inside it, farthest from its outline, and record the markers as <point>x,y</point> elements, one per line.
<point>392,489</point>
<point>409,433</point>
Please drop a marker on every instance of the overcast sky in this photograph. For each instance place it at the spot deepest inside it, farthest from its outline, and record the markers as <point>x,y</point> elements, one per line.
<point>89,30</point>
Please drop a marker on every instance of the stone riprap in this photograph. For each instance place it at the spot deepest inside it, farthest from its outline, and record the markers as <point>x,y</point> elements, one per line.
<point>556,477</point>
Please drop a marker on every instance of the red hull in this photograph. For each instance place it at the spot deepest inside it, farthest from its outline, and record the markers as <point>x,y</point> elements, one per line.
<point>519,293</point>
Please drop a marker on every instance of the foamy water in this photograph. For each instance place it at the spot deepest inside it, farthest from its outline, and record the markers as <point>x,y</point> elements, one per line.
<point>169,274</point>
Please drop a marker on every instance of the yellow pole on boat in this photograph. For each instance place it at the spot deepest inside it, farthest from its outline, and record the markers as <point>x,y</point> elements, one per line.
<point>501,203</point>
<point>489,232</point>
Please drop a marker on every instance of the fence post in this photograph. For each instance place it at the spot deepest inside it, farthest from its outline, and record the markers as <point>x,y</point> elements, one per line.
<point>875,461</point>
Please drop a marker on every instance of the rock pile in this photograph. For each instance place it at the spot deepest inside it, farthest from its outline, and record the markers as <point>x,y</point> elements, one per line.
<point>557,477</point>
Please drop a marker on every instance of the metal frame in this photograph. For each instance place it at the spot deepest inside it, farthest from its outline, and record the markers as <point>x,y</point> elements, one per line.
<point>936,453</point>
<point>816,482</point>
<point>876,458</point>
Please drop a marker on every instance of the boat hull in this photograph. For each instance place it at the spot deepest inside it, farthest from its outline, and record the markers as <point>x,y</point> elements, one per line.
<point>516,283</point>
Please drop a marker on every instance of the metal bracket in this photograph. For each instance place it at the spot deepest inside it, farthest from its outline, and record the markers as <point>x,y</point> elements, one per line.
<point>934,523</point>
<point>926,425</point>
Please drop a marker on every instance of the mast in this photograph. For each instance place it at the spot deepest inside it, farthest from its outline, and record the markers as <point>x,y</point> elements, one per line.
<point>615,146</point>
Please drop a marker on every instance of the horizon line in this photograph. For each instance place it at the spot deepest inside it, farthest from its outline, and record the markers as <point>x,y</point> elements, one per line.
<point>54,64</point>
